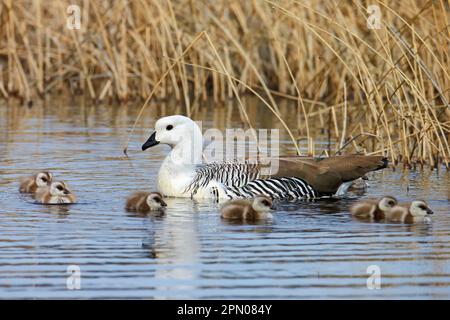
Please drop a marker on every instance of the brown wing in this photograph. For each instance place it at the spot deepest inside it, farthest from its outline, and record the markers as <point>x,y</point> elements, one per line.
<point>326,175</point>
<point>352,167</point>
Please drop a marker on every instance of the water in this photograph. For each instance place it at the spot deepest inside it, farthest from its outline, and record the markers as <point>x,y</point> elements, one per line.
<point>309,250</point>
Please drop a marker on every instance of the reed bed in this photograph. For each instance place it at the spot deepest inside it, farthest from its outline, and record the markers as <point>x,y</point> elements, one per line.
<point>379,91</point>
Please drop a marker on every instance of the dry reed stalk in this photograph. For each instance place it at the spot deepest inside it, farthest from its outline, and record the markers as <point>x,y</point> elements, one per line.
<point>288,130</point>
<point>156,86</point>
<point>395,78</point>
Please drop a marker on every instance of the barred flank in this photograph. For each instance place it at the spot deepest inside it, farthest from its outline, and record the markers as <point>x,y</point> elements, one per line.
<point>276,188</point>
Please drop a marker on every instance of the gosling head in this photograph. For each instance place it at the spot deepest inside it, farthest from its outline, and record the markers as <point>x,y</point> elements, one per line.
<point>43,179</point>
<point>387,203</point>
<point>155,201</point>
<point>262,203</point>
<point>59,189</point>
<point>174,130</point>
<point>420,208</point>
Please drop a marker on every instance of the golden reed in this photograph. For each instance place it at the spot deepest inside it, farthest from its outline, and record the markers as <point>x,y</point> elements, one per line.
<point>381,85</point>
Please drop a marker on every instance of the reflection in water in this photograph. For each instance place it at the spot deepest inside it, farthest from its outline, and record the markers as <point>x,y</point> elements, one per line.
<point>62,211</point>
<point>310,249</point>
<point>262,222</point>
<point>177,249</point>
<point>326,205</point>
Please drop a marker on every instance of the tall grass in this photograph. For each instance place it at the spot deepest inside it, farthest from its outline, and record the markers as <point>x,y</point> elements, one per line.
<point>380,91</point>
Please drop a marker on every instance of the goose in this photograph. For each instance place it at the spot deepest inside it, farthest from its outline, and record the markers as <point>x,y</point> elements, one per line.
<point>374,209</point>
<point>248,210</point>
<point>57,192</point>
<point>32,183</point>
<point>182,173</point>
<point>416,211</point>
<point>145,201</point>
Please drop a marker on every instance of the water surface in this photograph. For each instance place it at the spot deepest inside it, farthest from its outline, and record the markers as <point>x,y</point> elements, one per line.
<point>309,250</point>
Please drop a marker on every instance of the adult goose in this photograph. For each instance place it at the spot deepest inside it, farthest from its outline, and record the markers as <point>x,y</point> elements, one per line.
<point>182,173</point>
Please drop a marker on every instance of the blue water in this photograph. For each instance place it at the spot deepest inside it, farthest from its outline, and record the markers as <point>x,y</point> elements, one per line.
<point>309,250</point>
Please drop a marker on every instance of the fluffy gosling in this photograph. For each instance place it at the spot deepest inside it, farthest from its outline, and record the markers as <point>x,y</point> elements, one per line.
<point>417,211</point>
<point>57,193</point>
<point>32,183</point>
<point>145,201</point>
<point>374,209</point>
<point>249,210</point>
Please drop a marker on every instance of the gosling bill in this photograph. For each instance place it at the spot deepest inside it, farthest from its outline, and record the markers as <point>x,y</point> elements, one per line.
<point>145,201</point>
<point>248,210</point>
<point>57,193</point>
<point>32,183</point>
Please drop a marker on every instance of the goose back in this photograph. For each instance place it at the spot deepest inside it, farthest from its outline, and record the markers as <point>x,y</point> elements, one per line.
<point>297,177</point>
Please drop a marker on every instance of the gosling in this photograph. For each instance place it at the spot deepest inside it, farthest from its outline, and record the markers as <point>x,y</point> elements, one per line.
<point>57,193</point>
<point>417,211</point>
<point>32,183</point>
<point>248,210</point>
<point>374,209</point>
<point>145,201</point>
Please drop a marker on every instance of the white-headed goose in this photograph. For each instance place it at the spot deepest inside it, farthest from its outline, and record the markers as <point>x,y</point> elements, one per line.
<point>32,183</point>
<point>182,173</point>
<point>247,210</point>
<point>374,209</point>
<point>58,192</point>
<point>414,212</point>
<point>145,201</point>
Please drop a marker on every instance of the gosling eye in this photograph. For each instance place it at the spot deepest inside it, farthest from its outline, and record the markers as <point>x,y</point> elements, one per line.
<point>422,207</point>
<point>169,127</point>
<point>156,200</point>
<point>60,188</point>
<point>44,179</point>
<point>266,203</point>
<point>391,203</point>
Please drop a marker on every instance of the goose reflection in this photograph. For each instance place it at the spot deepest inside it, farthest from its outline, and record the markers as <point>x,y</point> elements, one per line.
<point>323,205</point>
<point>173,243</point>
<point>59,211</point>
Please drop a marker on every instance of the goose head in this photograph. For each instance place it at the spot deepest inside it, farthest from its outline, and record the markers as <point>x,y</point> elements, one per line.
<point>262,203</point>
<point>173,131</point>
<point>43,179</point>
<point>420,208</point>
<point>387,203</point>
<point>59,189</point>
<point>155,201</point>
<point>182,134</point>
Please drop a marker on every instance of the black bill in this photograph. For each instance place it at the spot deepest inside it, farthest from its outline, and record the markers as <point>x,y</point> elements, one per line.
<point>150,142</point>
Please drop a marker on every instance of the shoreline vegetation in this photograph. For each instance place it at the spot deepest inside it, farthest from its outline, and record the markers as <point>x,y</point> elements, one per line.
<point>381,91</point>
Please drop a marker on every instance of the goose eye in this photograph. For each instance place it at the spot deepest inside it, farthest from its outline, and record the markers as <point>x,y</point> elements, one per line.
<point>169,127</point>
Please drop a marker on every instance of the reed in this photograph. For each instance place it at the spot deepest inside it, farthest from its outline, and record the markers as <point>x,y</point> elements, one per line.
<point>380,91</point>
